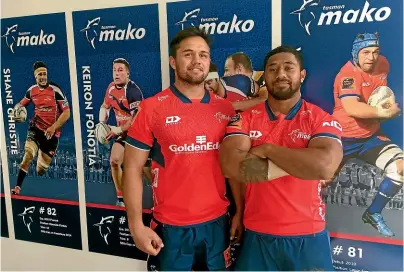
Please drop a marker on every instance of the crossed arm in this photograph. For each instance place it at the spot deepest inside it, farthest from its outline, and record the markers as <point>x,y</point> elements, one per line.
<point>239,161</point>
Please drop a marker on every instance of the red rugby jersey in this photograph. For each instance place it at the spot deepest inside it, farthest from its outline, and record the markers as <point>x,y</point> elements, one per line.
<point>352,81</point>
<point>49,104</point>
<point>183,137</point>
<point>287,205</point>
<point>124,101</point>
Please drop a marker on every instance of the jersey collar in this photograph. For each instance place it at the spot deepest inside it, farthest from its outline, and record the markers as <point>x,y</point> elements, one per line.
<point>184,99</point>
<point>292,113</point>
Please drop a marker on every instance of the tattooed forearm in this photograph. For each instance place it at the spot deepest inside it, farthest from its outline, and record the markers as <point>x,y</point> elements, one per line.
<point>253,169</point>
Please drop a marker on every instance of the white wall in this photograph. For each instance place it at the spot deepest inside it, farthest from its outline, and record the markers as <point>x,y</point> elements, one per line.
<point>19,255</point>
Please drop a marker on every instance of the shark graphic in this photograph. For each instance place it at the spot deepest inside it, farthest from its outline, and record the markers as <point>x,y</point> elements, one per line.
<point>91,30</point>
<point>27,217</point>
<point>11,37</point>
<point>192,15</point>
<point>306,14</point>
<point>104,227</point>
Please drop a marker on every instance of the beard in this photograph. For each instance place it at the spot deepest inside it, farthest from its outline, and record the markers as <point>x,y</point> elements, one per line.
<point>190,79</point>
<point>283,93</point>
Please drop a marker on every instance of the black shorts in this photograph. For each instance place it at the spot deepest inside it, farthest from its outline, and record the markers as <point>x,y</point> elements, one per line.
<point>120,140</point>
<point>48,147</point>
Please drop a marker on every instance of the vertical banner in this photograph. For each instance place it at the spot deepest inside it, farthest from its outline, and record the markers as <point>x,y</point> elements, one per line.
<point>4,224</point>
<point>242,26</point>
<point>351,49</point>
<point>118,65</point>
<point>36,99</point>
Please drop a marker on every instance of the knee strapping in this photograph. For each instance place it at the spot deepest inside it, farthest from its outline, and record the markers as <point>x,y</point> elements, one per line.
<point>393,173</point>
<point>42,166</point>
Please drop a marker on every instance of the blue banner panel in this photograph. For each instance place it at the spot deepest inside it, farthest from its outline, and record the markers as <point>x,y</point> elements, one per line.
<point>101,36</point>
<point>350,49</point>
<point>36,99</point>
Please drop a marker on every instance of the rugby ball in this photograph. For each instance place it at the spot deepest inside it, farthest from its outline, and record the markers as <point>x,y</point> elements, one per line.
<point>20,114</point>
<point>382,96</point>
<point>101,132</point>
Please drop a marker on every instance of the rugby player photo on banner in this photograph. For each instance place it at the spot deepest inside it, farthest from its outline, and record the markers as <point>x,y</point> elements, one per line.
<point>355,73</point>
<point>36,99</point>
<point>118,66</point>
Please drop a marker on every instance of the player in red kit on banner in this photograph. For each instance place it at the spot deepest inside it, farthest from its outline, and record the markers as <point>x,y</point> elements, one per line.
<point>123,96</point>
<point>51,113</point>
<point>281,150</point>
<point>181,127</point>
<point>362,137</point>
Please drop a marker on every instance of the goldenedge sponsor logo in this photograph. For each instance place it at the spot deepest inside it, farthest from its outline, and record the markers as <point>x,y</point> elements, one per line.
<point>194,147</point>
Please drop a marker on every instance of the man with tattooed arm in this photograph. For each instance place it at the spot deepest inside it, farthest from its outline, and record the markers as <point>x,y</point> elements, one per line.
<point>277,152</point>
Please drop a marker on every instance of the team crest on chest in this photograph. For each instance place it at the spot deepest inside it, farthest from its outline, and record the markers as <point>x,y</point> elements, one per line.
<point>297,134</point>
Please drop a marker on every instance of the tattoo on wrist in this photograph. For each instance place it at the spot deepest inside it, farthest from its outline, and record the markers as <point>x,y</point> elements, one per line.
<point>253,169</point>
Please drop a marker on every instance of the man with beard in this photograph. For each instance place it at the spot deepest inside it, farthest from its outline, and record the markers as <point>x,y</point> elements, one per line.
<point>362,136</point>
<point>182,127</point>
<point>239,89</point>
<point>123,96</point>
<point>51,113</point>
<point>282,149</point>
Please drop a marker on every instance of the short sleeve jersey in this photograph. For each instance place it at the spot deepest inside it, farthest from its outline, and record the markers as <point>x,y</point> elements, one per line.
<point>287,205</point>
<point>124,101</point>
<point>351,81</point>
<point>183,136</point>
<point>49,104</point>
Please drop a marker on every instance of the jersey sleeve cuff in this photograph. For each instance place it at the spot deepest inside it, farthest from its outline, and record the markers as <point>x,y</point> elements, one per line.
<point>346,95</point>
<point>229,134</point>
<point>137,144</point>
<point>326,135</point>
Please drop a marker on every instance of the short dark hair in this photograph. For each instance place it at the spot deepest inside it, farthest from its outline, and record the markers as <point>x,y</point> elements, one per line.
<point>213,67</point>
<point>243,59</point>
<point>286,49</point>
<point>187,33</point>
<point>39,64</point>
<point>122,61</point>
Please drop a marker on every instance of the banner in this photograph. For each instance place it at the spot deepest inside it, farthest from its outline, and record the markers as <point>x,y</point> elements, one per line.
<point>4,224</point>
<point>36,99</point>
<point>325,32</point>
<point>242,26</point>
<point>118,65</point>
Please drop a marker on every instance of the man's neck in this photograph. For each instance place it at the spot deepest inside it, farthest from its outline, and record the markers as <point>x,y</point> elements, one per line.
<point>191,91</point>
<point>121,85</point>
<point>283,106</point>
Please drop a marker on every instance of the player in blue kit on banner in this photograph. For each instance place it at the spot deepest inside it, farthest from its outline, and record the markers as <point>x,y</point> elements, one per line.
<point>181,127</point>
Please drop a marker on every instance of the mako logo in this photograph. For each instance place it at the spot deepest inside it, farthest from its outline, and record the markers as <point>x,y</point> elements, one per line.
<point>95,32</point>
<point>310,13</point>
<point>213,25</point>
<point>14,39</point>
